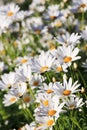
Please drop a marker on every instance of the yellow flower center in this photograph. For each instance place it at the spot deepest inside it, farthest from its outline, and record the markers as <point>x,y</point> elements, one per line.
<point>13,99</point>
<point>58,24</point>
<point>2,52</point>
<point>23,61</point>
<point>66,92</point>
<point>50,122</point>
<point>35,83</point>
<point>67,59</point>
<point>51,112</point>
<point>52,47</point>
<point>26,99</point>
<point>46,103</point>
<point>43,69</point>
<point>52,17</point>
<point>49,91</point>
<point>38,31</point>
<point>59,68</point>
<point>10,13</point>
<point>83,5</point>
<point>71,106</point>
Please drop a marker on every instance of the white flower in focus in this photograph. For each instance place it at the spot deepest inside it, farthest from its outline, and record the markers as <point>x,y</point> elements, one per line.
<point>66,54</point>
<point>67,89</point>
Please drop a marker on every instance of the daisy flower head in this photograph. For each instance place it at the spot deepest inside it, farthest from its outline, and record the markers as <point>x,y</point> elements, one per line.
<point>66,54</point>
<point>24,73</point>
<point>36,81</point>
<point>66,89</point>
<point>60,67</point>
<point>9,11</point>
<point>52,12</point>
<point>35,24</point>
<point>44,122</point>
<point>9,99</point>
<point>7,80</point>
<point>67,39</point>
<point>74,103</point>
<point>27,101</point>
<point>19,89</point>
<point>47,88</point>
<point>43,63</point>
<point>79,6</point>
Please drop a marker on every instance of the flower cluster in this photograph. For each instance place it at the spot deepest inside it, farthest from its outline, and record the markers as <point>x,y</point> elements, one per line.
<point>43,57</point>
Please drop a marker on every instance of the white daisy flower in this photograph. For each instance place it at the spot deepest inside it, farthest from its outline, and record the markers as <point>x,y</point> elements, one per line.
<point>43,63</point>
<point>52,12</point>
<point>18,89</point>
<point>67,39</point>
<point>45,122</point>
<point>7,80</point>
<point>9,99</point>
<point>66,54</point>
<point>66,89</point>
<point>53,109</point>
<point>24,73</point>
<point>36,81</point>
<point>9,11</point>
<point>74,102</point>
<point>79,6</point>
<point>47,88</point>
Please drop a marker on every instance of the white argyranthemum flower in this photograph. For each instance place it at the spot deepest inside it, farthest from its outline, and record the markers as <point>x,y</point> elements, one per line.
<point>79,5</point>
<point>48,88</point>
<point>9,11</point>
<point>58,67</point>
<point>24,73</point>
<point>53,109</point>
<point>67,39</point>
<point>66,54</point>
<point>52,12</point>
<point>36,81</point>
<point>74,102</point>
<point>35,24</point>
<point>42,63</point>
<point>9,99</point>
<point>7,80</point>
<point>45,122</point>
<point>21,60</point>
<point>18,89</point>
<point>67,89</point>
